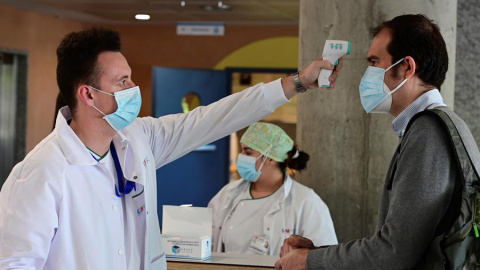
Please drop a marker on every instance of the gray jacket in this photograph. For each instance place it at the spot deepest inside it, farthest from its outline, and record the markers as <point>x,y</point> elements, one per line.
<point>416,195</point>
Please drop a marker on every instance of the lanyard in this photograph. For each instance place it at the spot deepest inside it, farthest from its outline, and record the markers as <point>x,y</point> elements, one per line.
<point>123,188</point>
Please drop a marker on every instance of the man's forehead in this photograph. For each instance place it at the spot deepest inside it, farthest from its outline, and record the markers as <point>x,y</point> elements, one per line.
<point>113,64</point>
<point>378,49</point>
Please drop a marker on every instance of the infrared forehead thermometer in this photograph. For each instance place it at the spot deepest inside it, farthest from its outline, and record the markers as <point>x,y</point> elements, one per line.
<point>332,51</point>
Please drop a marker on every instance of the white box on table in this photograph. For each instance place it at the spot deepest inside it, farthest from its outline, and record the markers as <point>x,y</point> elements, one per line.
<point>187,232</point>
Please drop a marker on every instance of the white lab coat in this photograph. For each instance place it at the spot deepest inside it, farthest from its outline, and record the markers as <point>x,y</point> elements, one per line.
<point>299,210</point>
<point>58,208</point>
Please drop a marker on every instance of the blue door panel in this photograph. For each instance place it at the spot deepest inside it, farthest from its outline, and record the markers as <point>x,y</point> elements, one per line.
<point>196,177</point>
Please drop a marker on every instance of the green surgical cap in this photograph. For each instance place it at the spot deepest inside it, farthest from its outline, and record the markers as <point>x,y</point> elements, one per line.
<point>261,136</point>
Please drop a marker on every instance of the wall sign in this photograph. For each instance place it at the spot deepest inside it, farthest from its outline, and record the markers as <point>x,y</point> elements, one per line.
<point>200,29</point>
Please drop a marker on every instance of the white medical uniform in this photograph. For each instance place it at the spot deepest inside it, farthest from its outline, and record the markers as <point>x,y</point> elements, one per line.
<point>293,209</point>
<point>58,208</point>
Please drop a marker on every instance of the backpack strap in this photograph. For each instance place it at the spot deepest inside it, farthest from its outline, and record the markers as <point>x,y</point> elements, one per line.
<point>466,157</point>
<point>459,127</point>
<point>466,150</point>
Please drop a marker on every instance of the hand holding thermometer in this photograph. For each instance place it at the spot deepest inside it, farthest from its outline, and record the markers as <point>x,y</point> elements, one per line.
<point>332,51</point>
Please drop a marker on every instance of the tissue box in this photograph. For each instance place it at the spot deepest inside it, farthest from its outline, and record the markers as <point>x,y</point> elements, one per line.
<point>199,248</point>
<point>187,232</point>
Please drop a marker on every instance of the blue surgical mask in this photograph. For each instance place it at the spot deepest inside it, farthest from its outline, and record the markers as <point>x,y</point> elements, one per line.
<point>246,167</point>
<point>375,95</point>
<point>129,102</point>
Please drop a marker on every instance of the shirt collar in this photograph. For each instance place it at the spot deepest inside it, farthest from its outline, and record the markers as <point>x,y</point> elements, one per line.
<point>77,154</point>
<point>429,99</point>
<point>73,148</point>
<point>243,185</point>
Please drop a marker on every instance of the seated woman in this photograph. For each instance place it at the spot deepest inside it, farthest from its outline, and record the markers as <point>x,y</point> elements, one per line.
<point>256,213</point>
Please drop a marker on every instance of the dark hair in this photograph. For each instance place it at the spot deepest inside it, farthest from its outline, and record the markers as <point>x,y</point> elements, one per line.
<point>77,57</point>
<point>419,37</point>
<point>60,103</point>
<point>299,163</point>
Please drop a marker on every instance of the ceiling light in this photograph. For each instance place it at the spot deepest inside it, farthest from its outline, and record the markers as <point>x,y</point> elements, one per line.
<point>182,3</point>
<point>142,17</point>
<point>219,6</point>
<point>224,7</point>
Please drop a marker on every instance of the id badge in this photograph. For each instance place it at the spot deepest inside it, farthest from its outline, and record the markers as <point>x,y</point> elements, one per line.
<point>259,245</point>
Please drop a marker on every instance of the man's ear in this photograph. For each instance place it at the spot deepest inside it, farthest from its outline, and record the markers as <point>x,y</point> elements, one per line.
<point>84,94</point>
<point>411,67</point>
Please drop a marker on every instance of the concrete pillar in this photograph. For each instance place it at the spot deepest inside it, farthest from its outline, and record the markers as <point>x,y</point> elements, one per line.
<point>467,68</point>
<point>350,150</point>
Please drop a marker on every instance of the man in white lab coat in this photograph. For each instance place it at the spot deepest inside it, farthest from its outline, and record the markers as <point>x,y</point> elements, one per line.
<point>85,196</point>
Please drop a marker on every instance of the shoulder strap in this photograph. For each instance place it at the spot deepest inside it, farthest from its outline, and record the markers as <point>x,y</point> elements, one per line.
<point>464,136</point>
<point>466,150</point>
<point>466,157</point>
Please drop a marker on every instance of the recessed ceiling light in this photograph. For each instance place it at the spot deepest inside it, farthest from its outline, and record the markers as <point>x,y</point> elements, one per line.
<point>142,17</point>
<point>224,7</point>
<point>182,3</point>
<point>216,7</point>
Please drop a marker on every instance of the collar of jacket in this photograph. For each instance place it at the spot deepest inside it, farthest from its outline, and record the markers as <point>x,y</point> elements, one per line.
<point>239,185</point>
<point>77,154</point>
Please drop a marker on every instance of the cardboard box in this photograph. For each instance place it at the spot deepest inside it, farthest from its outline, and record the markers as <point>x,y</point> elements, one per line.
<point>187,232</point>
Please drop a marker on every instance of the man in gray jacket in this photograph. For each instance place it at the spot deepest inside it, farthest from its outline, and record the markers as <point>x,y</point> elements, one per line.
<point>407,65</point>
